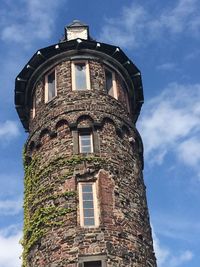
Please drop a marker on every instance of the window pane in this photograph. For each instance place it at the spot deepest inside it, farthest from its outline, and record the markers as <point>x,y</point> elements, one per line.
<point>86,149</point>
<point>109,82</point>
<point>85,136</point>
<point>80,76</point>
<point>51,85</point>
<point>87,188</point>
<point>87,199</point>
<point>89,213</point>
<point>89,221</point>
<point>87,196</point>
<point>88,204</point>
<point>92,264</point>
<point>85,143</point>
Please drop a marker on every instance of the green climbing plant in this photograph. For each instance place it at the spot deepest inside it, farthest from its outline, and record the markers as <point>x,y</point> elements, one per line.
<point>38,217</point>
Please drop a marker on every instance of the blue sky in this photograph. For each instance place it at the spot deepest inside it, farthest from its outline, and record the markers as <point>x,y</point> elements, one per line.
<point>162,39</point>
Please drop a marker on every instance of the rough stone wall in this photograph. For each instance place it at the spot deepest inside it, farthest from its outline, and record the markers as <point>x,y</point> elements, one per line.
<point>52,233</point>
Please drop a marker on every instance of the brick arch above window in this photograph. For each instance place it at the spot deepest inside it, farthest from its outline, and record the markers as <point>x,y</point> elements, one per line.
<point>85,121</point>
<point>125,130</point>
<point>44,136</point>
<point>110,124</point>
<point>61,123</point>
<point>31,146</point>
<point>44,132</point>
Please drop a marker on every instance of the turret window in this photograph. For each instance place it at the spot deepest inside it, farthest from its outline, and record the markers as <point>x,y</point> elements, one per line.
<point>110,83</point>
<point>126,95</point>
<point>88,205</point>
<point>92,264</point>
<point>50,86</point>
<point>92,261</point>
<point>80,75</point>
<point>85,142</point>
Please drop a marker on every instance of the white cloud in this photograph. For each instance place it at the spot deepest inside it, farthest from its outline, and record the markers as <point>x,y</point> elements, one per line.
<point>162,253</point>
<point>173,227</point>
<point>182,258</point>
<point>170,122</point>
<point>137,26</point>
<point>10,249</point>
<point>8,129</point>
<point>167,66</point>
<point>189,151</point>
<point>125,30</point>
<point>177,19</point>
<point>10,207</point>
<point>27,21</point>
<point>167,257</point>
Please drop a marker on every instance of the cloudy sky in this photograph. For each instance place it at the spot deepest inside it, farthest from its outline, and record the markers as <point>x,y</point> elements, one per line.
<point>163,40</point>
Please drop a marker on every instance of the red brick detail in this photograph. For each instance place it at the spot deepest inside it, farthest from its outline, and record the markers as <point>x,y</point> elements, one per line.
<point>106,197</point>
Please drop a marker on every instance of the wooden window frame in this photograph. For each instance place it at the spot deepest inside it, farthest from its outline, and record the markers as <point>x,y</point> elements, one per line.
<point>95,139</point>
<point>91,141</point>
<point>114,84</point>
<point>73,75</point>
<point>96,210</point>
<point>46,94</point>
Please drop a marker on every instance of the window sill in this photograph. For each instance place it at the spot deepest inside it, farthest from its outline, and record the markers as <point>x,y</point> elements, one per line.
<point>80,90</point>
<point>49,101</point>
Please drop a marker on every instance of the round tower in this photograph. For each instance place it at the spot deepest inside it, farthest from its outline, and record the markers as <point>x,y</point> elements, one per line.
<point>84,197</point>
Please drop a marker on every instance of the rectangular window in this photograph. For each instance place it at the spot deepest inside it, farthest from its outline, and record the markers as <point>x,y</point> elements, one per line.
<point>88,205</point>
<point>80,76</point>
<point>92,264</point>
<point>50,86</point>
<point>110,83</point>
<point>85,142</point>
<point>126,95</point>
<point>92,261</point>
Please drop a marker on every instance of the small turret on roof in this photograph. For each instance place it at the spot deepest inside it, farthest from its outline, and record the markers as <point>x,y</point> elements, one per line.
<point>75,30</point>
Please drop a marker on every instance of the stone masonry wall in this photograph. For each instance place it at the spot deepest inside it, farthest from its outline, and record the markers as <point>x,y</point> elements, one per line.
<point>53,236</point>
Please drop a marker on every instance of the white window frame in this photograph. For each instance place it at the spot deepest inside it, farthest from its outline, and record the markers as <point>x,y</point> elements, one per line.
<point>46,94</point>
<point>96,210</point>
<point>34,106</point>
<point>91,142</point>
<point>86,259</point>
<point>114,84</point>
<point>88,85</point>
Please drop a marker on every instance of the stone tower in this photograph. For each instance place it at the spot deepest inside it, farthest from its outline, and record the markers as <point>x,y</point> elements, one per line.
<point>84,200</point>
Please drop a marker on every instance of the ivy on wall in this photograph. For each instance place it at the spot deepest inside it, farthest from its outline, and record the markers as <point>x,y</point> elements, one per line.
<point>39,215</point>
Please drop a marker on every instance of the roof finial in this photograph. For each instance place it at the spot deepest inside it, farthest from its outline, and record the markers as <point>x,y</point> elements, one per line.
<point>75,30</point>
